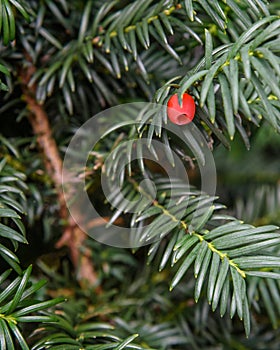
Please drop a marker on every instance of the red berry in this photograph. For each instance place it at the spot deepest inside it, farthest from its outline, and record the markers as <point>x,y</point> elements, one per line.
<point>181,115</point>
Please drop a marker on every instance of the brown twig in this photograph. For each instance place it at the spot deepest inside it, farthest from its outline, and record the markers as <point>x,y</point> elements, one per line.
<point>73,236</point>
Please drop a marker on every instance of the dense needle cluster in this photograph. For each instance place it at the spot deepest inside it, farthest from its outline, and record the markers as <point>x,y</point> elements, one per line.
<point>212,64</point>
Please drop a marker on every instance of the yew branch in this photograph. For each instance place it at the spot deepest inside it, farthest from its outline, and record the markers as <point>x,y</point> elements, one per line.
<point>72,236</point>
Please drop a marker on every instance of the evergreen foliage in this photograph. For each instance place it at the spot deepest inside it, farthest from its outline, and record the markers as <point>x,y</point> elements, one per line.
<point>61,62</point>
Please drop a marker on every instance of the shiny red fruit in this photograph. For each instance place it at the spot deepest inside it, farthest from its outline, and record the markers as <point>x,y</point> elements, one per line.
<point>181,115</point>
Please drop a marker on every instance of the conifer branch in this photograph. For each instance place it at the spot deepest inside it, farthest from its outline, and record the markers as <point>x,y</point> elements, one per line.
<point>73,237</point>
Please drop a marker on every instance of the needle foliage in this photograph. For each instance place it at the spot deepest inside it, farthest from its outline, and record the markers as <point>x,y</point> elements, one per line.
<point>205,261</point>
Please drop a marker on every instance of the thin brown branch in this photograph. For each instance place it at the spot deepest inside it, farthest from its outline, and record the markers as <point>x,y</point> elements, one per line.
<point>73,237</point>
